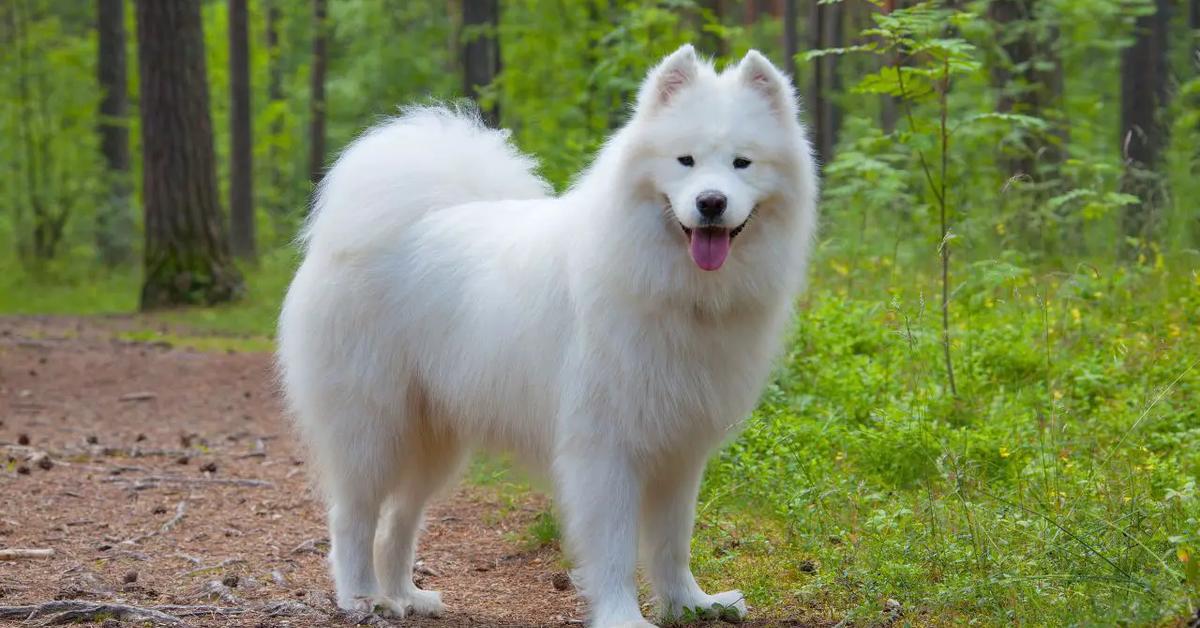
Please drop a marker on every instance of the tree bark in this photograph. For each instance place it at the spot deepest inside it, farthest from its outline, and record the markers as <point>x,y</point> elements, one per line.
<point>481,52</point>
<point>825,27</point>
<point>241,167</point>
<point>791,37</point>
<point>114,218</point>
<point>1194,30</point>
<point>888,113</point>
<point>316,130</point>
<point>274,97</point>
<point>713,43</point>
<point>1144,94</point>
<point>1030,81</point>
<point>1027,73</point>
<point>186,253</point>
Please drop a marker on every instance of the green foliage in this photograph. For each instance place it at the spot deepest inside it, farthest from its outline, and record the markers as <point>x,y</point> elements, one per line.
<point>562,96</point>
<point>78,286</point>
<point>1058,489</point>
<point>49,151</point>
<point>543,532</point>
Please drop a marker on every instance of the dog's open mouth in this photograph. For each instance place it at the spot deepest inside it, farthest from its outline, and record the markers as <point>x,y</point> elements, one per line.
<point>709,246</point>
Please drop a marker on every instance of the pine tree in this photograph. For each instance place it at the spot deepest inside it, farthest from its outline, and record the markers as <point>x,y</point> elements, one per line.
<point>186,254</point>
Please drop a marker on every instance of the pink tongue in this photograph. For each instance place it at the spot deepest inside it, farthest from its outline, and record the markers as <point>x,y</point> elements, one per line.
<point>709,247</point>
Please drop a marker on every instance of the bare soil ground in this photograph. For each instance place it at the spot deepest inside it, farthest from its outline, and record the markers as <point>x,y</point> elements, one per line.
<point>163,478</point>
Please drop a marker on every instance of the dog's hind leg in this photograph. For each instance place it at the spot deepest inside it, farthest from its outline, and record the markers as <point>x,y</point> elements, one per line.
<point>430,460</point>
<point>356,457</point>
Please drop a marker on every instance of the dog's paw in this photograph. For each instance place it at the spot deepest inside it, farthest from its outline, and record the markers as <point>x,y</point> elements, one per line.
<point>637,623</point>
<point>422,602</point>
<point>727,606</point>
<point>375,605</point>
<point>415,602</point>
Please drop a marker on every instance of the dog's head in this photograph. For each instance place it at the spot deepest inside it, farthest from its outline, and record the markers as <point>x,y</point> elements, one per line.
<point>718,151</point>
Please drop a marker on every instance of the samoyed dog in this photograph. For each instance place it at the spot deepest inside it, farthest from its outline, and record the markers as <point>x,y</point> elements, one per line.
<point>612,336</point>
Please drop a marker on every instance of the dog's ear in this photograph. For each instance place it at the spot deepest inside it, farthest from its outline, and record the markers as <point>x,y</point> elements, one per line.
<point>669,77</point>
<point>757,73</point>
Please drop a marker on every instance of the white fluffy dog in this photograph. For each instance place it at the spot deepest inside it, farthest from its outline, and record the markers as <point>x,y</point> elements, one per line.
<point>612,336</point>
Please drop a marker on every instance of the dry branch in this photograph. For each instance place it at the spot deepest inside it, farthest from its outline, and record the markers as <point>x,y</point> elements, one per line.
<point>223,564</point>
<point>18,554</point>
<point>195,611</point>
<point>286,608</point>
<point>217,589</point>
<point>138,452</point>
<point>312,546</point>
<point>138,396</point>
<point>180,511</point>
<point>150,482</point>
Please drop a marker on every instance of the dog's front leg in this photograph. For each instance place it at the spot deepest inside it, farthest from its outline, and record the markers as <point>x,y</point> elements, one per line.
<point>668,513</point>
<point>599,495</point>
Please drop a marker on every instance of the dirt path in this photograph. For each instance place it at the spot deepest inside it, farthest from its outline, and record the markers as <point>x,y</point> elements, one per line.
<point>162,476</point>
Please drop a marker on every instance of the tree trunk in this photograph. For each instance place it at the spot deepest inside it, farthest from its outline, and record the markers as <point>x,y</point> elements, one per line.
<point>186,253</point>
<point>241,167</point>
<point>1016,43</point>
<point>888,113</point>
<point>791,37</point>
<point>1030,81</point>
<point>274,100</point>
<point>316,130</point>
<point>1194,28</point>
<point>114,218</point>
<point>1027,72</point>
<point>1144,93</point>
<point>481,52</point>
<point>713,43</point>
<point>825,30</point>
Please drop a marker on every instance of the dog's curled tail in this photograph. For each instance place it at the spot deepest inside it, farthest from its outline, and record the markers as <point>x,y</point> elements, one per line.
<point>425,159</point>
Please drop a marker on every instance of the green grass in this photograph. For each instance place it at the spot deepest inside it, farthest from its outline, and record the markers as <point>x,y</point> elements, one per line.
<point>79,289</point>
<point>201,342</point>
<point>1058,488</point>
<point>543,532</point>
<point>82,288</point>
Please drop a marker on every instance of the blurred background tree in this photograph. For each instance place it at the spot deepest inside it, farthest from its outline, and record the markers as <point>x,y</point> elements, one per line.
<point>187,249</point>
<point>291,84</point>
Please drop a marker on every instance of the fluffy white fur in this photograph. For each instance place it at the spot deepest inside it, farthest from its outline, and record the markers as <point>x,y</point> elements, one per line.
<point>447,301</point>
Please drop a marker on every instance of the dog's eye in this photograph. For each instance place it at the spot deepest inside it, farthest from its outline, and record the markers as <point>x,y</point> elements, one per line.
<point>687,160</point>
<point>741,162</point>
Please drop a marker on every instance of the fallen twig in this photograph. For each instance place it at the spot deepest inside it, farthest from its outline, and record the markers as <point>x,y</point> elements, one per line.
<point>188,557</point>
<point>138,396</point>
<point>421,568</point>
<point>138,452</point>
<point>260,450</point>
<point>223,564</point>
<point>180,511</point>
<point>194,611</point>
<point>311,546</point>
<point>18,554</point>
<point>150,482</point>
<point>215,588</point>
<point>286,608</point>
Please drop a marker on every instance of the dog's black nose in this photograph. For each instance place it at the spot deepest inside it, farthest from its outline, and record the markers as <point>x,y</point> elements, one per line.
<point>710,203</point>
